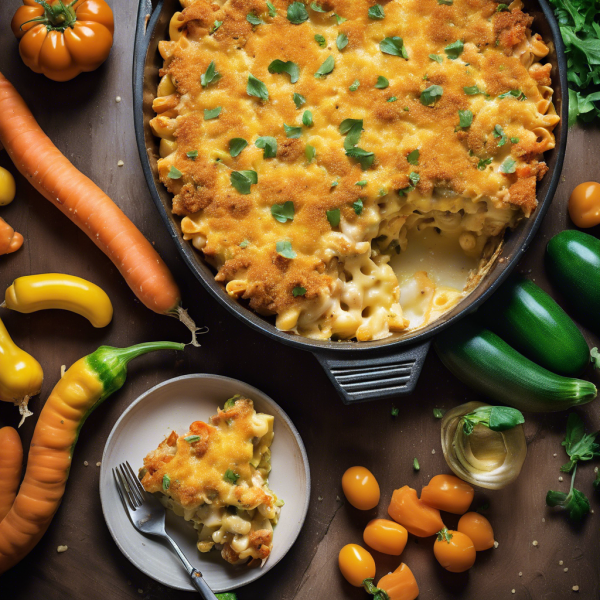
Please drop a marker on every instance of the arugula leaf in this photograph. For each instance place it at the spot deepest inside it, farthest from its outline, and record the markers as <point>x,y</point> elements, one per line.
<point>242,180</point>
<point>496,418</point>
<point>283,212</point>
<point>298,291</point>
<point>575,502</point>
<point>292,131</point>
<point>333,216</point>
<point>317,8</point>
<point>310,152</point>
<point>211,75</point>
<point>499,133</point>
<point>578,444</point>
<point>465,118</point>
<point>307,119</point>
<point>429,96</point>
<point>382,83</point>
<point>357,205</point>
<point>254,19</point>
<point>326,67</point>
<point>376,12</point>
<point>289,67</point>
<point>236,145</point>
<point>453,51</point>
<point>272,9</point>
<point>508,166</point>
<point>437,58</point>
<point>166,482</point>
<point>268,144</point>
<point>284,248</point>
<point>354,86</point>
<point>394,46</point>
<point>299,100</point>
<point>192,154</point>
<point>257,88</point>
<point>413,157</point>
<point>212,113</point>
<point>297,13</point>
<point>231,477</point>
<point>342,41</point>
<point>321,40</point>
<point>174,173</point>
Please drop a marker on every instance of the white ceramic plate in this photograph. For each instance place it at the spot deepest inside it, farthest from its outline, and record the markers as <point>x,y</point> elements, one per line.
<point>175,404</point>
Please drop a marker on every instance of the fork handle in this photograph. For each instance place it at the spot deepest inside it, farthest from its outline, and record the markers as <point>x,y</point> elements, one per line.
<point>201,585</point>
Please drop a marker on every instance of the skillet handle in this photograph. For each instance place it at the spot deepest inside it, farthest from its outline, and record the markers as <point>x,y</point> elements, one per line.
<point>374,377</point>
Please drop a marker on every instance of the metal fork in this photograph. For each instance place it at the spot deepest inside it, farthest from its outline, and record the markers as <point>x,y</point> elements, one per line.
<point>147,515</point>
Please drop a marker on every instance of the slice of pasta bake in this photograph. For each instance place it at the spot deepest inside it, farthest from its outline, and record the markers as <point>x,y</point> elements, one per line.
<point>216,476</point>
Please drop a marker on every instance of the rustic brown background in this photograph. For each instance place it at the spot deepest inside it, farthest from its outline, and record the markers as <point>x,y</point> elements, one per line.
<point>94,131</point>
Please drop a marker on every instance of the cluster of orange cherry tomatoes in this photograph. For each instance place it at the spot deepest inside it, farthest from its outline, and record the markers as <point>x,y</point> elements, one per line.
<point>454,550</point>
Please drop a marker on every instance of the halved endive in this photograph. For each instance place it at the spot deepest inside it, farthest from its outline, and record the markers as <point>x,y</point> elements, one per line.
<point>484,445</point>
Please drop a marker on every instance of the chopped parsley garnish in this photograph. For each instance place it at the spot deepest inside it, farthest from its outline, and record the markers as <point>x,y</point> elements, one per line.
<point>190,439</point>
<point>392,99</point>
<point>174,173</point>
<point>216,26</point>
<point>291,131</point>
<point>376,12</point>
<point>283,212</point>
<point>254,19</point>
<point>268,144</point>
<point>382,83</point>
<point>335,183</point>
<point>429,96</point>
<point>212,113</point>
<point>245,244</point>
<point>437,58</point>
<point>257,88</point>
<point>362,183</point>
<point>352,129</point>
<point>236,145</point>
<point>342,41</point>
<point>297,13</point>
<point>317,8</point>
<point>472,90</point>
<point>518,94</point>
<point>394,46</point>
<point>320,40</point>
<point>453,51</point>
<point>382,192</point>
<point>242,180</point>
<point>416,465</point>
<point>326,67</point>
<point>289,67</point>
<point>499,133</point>
<point>354,86</point>
<point>272,9</point>
<point>166,482</point>
<point>465,118</point>
<point>438,413</point>
<point>284,248</point>
<point>310,152</point>
<point>414,178</point>
<point>211,75</point>
<point>333,216</point>
<point>358,206</point>
<point>299,100</point>
<point>514,140</point>
<point>483,163</point>
<point>339,19</point>
<point>192,154</point>
<point>395,411</point>
<point>508,166</point>
<point>231,477</point>
<point>446,2</point>
<point>413,157</point>
<point>364,157</point>
<point>298,291</point>
<point>502,8</point>
<point>307,119</point>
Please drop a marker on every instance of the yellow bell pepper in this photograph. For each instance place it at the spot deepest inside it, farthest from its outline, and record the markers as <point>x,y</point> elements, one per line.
<point>56,290</point>
<point>21,376</point>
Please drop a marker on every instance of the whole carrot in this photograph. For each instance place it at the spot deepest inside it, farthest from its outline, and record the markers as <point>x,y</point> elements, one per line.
<point>10,240</point>
<point>11,464</point>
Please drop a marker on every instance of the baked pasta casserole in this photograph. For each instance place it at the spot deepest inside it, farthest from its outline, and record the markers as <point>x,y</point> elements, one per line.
<point>216,476</point>
<point>306,143</point>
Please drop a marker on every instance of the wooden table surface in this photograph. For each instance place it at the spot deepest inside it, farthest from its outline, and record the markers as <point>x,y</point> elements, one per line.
<point>84,120</point>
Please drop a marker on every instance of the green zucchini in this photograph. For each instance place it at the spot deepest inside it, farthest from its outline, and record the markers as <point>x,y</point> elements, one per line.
<point>573,265</point>
<point>485,362</point>
<point>530,321</point>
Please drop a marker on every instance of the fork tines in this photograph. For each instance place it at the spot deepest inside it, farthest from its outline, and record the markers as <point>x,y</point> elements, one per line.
<point>128,486</point>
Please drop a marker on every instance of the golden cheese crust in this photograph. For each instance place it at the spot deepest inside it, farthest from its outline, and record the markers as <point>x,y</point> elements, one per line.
<point>474,55</point>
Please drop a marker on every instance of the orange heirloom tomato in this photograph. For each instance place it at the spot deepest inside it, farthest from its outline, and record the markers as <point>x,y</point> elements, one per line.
<point>400,585</point>
<point>356,564</point>
<point>418,518</point>
<point>361,488</point>
<point>479,529</point>
<point>584,205</point>
<point>61,40</point>
<point>454,551</point>
<point>386,536</point>
<point>448,493</point>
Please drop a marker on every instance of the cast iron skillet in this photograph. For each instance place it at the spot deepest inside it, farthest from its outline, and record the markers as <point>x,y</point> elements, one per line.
<point>366,370</point>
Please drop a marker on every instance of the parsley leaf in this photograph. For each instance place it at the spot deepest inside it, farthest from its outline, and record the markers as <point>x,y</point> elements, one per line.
<point>297,13</point>
<point>257,88</point>
<point>364,157</point>
<point>354,86</point>
<point>394,46</point>
<point>518,94</point>
<point>299,100</point>
<point>212,113</point>
<point>508,166</point>
<point>472,90</point>
<point>413,157</point>
<point>465,118</point>
<point>342,41</point>
<point>358,206</point>
<point>298,291</point>
<point>575,502</point>
<point>429,96</point>
<point>321,40</point>
<point>326,67</point>
<point>284,248</point>
<point>437,58</point>
<point>231,477</point>
<point>362,183</point>
<point>289,67</point>
<point>272,9</point>
<point>352,129</point>
<point>333,216</point>
<point>496,418</point>
<point>483,163</point>
<point>499,134</point>
<point>339,19</point>
<point>514,140</point>
<point>192,154</point>
<point>242,180</point>
<point>211,75</point>
<point>291,131</point>
<point>216,26</point>
<point>166,482</point>
<point>254,19</point>
<point>414,178</point>
<point>307,119</point>
<point>283,212</point>
<point>502,8</point>
<point>376,12</point>
<point>236,145</point>
<point>578,444</point>
<point>245,244</point>
<point>317,8</point>
<point>453,51</point>
<point>382,83</point>
<point>268,144</point>
<point>392,99</point>
<point>310,152</point>
<point>174,173</point>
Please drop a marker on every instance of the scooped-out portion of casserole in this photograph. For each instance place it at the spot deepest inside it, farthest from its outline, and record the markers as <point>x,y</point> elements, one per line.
<point>216,475</point>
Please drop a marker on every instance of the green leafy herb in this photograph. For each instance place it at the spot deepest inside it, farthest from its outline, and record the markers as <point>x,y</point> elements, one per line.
<point>272,9</point>
<point>392,99</point>
<point>357,205</point>
<point>211,75</point>
<point>216,26</point>
<point>236,145</point>
<point>382,192</point>
<point>416,465</point>
<point>298,291</point>
<point>376,12</point>
<point>283,212</point>
<point>242,180</point>
<point>499,134</point>
<point>307,118</point>
<point>483,163</point>
<point>257,88</point>
<point>444,535</point>
<point>326,67</point>
<point>518,94</point>
<point>317,8</point>
<point>413,157</point>
<point>394,46</point>
<point>321,40</point>
<point>174,173</point>
<point>268,144</point>
<point>414,178</point>
<point>245,244</point>
<point>354,86</point>
<point>291,131</point>
<point>335,183</point>
<point>289,67</point>
<point>596,483</point>
<point>310,152</point>
<point>382,83</point>
<point>437,58</point>
<point>212,113</point>
<point>231,477</point>
<point>341,41</point>
<point>297,13</point>
<point>438,413</point>
<point>352,129</point>
<point>374,591</point>
<point>339,19</point>
<point>472,90</point>
<point>166,482</point>
<point>447,2</point>
<point>453,51</point>
<point>228,595</point>
<point>333,216</point>
<point>193,154</point>
<point>364,157</point>
<point>514,140</point>
<point>431,94</point>
<point>362,183</point>
<point>496,418</point>
<point>299,100</point>
<point>508,166</point>
<point>575,502</point>
<point>254,19</point>
<point>190,439</point>
<point>579,446</point>
<point>395,411</point>
<point>502,8</point>
<point>284,248</point>
<point>465,118</point>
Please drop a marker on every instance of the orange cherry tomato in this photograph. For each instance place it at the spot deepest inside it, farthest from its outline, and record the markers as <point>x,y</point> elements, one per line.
<point>386,536</point>
<point>454,551</point>
<point>356,564</point>
<point>361,488</point>
<point>62,40</point>
<point>448,493</point>
<point>584,205</point>
<point>418,518</point>
<point>400,585</point>
<point>479,529</point>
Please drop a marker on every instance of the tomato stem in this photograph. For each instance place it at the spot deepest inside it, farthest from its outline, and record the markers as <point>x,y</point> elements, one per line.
<point>57,17</point>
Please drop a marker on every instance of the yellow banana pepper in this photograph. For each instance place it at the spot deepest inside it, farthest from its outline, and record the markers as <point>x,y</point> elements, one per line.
<point>21,376</point>
<point>56,290</point>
